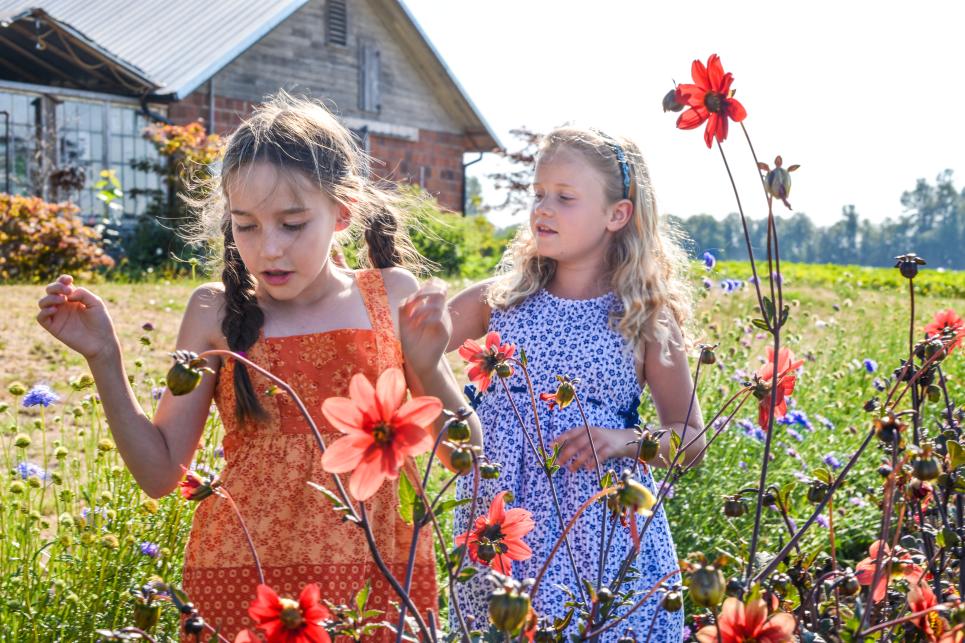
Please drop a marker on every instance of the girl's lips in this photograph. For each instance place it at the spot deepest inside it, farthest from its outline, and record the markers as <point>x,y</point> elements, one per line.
<point>276,277</point>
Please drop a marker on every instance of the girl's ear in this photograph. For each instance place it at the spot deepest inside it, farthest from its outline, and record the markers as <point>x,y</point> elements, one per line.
<point>344,218</point>
<point>620,214</point>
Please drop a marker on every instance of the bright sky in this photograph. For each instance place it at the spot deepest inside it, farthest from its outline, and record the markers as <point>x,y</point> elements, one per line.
<point>866,96</point>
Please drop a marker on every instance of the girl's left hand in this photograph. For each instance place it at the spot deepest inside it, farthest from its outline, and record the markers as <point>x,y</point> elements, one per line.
<point>576,452</point>
<point>425,326</point>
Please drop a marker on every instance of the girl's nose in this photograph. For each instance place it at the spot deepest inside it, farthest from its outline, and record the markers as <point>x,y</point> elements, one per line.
<point>274,246</point>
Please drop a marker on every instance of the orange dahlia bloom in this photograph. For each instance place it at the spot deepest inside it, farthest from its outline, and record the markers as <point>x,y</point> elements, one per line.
<point>947,320</point>
<point>739,623</point>
<point>380,430</point>
<point>496,539</point>
<point>901,566</point>
<point>284,620</point>
<point>785,383</point>
<point>710,99</point>
<point>486,361</point>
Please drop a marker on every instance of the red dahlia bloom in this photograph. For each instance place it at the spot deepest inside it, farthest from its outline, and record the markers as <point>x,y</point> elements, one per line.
<point>710,99</point>
<point>947,320</point>
<point>496,539</point>
<point>195,487</point>
<point>484,362</point>
<point>380,431</point>
<point>901,566</point>
<point>785,383</point>
<point>739,623</point>
<point>284,620</point>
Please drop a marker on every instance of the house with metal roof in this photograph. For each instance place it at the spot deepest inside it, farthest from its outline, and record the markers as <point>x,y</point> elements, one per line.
<point>79,80</point>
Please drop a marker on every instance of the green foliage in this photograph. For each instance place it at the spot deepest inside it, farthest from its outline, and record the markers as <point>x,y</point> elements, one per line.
<point>40,240</point>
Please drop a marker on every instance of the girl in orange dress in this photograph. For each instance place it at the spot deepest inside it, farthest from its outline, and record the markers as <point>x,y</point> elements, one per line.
<point>290,179</point>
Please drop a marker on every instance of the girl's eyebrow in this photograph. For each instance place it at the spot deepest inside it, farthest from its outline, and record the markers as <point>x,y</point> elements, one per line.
<point>296,209</point>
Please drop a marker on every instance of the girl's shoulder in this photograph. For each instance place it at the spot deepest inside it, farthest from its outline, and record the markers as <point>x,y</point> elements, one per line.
<point>204,313</point>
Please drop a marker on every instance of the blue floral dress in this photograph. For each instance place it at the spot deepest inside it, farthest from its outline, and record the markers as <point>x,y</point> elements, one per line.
<point>573,337</point>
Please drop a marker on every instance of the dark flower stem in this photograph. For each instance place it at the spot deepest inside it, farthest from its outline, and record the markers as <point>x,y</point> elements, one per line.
<point>769,569</point>
<point>566,530</point>
<point>546,472</point>
<point>633,609</point>
<point>906,618</point>
<point>601,562</point>
<point>223,492</point>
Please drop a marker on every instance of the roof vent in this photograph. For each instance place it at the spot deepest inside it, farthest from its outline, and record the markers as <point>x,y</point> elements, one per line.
<point>336,22</point>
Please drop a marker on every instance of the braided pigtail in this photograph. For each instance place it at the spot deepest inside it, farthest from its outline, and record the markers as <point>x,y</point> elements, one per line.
<point>241,324</point>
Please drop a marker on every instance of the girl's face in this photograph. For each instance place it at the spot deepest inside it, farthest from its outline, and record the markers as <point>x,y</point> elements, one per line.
<point>283,226</point>
<point>571,220</point>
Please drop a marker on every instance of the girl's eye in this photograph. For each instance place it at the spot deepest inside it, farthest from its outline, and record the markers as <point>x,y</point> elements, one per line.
<point>564,197</point>
<point>244,228</point>
<point>295,226</point>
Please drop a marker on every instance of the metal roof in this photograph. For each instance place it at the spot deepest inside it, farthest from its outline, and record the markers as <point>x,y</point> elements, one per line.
<point>175,44</point>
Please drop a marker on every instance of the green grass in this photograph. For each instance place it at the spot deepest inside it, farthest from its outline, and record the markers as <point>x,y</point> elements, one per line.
<point>70,547</point>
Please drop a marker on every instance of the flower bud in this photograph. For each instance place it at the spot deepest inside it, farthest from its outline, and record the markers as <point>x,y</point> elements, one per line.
<point>925,466</point>
<point>457,430</point>
<point>504,370</point>
<point>508,606</point>
<point>16,389</point>
<point>934,393</point>
<point>849,585</point>
<point>489,470</point>
<point>22,441</point>
<point>888,427</point>
<point>672,101</point>
<point>707,355</point>
<point>707,586</point>
<point>908,264</point>
<point>648,447</point>
<point>672,601</point>
<point>146,616</point>
<point>633,495</point>
<point>185,375</point>
<point>461,460</point>
<point>817,492</point>
<point>734,506</point>
<point>194,625</point>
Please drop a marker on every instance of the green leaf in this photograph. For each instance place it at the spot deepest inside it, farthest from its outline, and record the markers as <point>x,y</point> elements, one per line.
<point>406,499</point>
<point>523,359</point>
<point>956,454</point>
<point>561,624</point>
<point>337,503</point>
<point>784,495</point>
<point>768,309</point>
<point>674,445</point>
<point>446,505</point>
<point>760,323</point>
<point>606,480</point>
<point>455,555</point>
<point>785,314</point>
<point>823,474</point>
<point>362,597</point>
<point>466,574</point>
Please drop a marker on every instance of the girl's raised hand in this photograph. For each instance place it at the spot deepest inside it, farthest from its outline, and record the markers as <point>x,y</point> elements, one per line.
<point>425,326</point>
<point>77,317</point>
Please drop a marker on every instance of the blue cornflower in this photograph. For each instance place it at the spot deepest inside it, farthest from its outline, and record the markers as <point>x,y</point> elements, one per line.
<point>708,284</point>
<point>742,464</point>
<point>29,469</point>
<point>821,520</point>
<point>828,424</point>
<point>794,434</point>
<point>709,261</point>
<point>870,365</point>
<point>219,452</point>
<point>832,461</point>
<point>879,384</point>
<point>40,395</point>
<point>157,392</point>
<point>150,549</point>
<point>745,424</point>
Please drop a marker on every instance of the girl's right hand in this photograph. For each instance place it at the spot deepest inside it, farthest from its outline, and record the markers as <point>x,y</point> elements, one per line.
<point>77,317</point>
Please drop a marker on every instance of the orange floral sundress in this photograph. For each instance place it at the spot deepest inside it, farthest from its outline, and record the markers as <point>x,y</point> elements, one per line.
<point>297,535</point>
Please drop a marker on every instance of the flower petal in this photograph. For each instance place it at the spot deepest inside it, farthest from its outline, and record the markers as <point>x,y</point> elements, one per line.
<point>517,523</point>
<point>470,349</point>
<point>707,634</point>
<point>344,454</point>
<point>421,411</point>
<point>368,476</point>
<point>779,628</point>
<point>517,549</point>
<point>736,111</point>
<point>497,510</point>
<point>755,613</point>
<point>715,72</point>
<point>692,118</point>
<point>711,130</point>
<point>343,414</point>
<point>266,605</point>
<point>492,340</point>
<point>699,73</point>
<point>412,440</point>
<point>363,394</point>
<point>390,392</point>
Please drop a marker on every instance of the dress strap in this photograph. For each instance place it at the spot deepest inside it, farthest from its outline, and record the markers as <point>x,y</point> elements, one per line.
<point>376,299</point>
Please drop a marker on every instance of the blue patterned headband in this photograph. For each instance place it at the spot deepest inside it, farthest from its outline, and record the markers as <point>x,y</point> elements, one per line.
<point>621,161</point>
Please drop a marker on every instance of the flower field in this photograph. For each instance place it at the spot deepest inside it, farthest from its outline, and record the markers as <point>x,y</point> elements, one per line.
<point>79,540</point>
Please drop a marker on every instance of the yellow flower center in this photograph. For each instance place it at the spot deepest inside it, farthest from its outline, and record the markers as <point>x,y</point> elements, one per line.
<point>291,614</point>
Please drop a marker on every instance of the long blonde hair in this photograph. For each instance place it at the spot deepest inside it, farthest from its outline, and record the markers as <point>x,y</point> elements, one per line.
<point>646,266</point>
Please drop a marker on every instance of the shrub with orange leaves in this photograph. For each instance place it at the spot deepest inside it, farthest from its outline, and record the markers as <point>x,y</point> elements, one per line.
<point>41,240</point>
